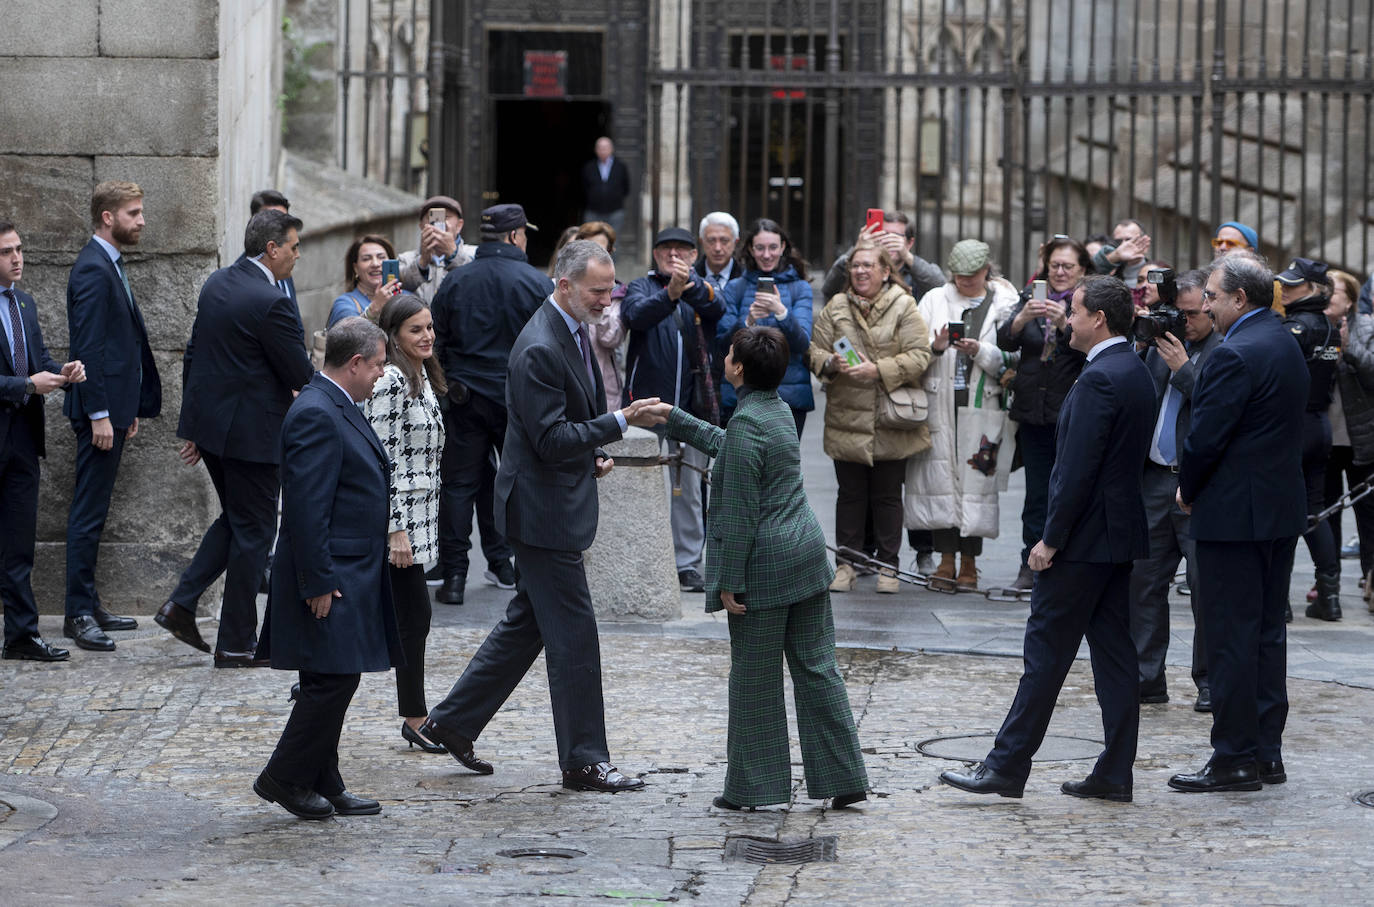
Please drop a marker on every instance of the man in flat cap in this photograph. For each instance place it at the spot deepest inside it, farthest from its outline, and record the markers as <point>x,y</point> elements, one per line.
<point>441,250</point>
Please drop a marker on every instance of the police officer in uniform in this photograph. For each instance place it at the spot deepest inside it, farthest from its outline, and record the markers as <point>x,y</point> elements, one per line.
<point>1306,292</point>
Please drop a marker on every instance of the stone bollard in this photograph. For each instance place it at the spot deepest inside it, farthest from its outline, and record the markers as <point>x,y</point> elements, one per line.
<point>631,570</point>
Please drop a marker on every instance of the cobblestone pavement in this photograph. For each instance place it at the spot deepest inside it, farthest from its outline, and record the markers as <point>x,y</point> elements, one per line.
<point>148,755</point>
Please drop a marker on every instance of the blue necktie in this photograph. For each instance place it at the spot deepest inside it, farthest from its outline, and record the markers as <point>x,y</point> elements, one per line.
<point>1168,443</point>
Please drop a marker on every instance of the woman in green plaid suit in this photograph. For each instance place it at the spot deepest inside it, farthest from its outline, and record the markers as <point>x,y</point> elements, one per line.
<point>766,565</point>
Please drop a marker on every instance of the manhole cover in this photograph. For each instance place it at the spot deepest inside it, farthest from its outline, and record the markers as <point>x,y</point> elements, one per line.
<point>541,853</point>
<point>1366,798</point>
<point>974,747</point>
<point>762,850</point>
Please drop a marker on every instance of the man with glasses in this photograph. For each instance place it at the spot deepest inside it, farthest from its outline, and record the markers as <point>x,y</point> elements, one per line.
<point>1233,235</point>
<point>1240,476</point>
<point>1174,364</point>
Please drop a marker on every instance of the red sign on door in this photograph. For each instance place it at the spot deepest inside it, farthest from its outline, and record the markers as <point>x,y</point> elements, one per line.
<point>546,73</point>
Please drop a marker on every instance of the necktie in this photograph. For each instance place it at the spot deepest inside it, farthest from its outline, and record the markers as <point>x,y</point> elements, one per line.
<point>21,355</point>
<point>585,341</point>
<point>1168,442</point>
<point>124,278</point>
<point>719,280</point>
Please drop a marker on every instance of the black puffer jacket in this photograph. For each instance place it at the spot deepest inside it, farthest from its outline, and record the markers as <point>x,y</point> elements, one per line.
<point>1355,374</point>
<point>1320,342</point>
<point>1040,386</point>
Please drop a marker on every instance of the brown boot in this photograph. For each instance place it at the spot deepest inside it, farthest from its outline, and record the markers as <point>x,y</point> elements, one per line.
<point>967,581</point>
<point>946,568</point>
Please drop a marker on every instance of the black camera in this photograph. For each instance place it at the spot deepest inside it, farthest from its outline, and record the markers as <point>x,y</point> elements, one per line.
<point>1164,316</point>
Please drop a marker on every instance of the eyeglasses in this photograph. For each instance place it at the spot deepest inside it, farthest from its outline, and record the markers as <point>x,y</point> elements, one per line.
<point>1061,266</point>
<point>1228,244</point>
<point>862,266</point>
<point>1208,295</point>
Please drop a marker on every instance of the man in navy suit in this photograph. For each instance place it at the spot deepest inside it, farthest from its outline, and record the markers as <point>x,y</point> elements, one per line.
<point>330,615</point>
<point>1240,476</point>
<point>546,505</point>
<point>1094,529</point>
<point>245,359</point>
<point>107,333</point>
<point>272,200</point>
<point>27,374</point>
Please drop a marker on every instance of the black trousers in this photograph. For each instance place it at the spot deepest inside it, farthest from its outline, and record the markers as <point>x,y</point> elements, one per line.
<point>237,544</point>
<point>473,434</point>
<point>1321,541</point>
<point>551,611</point>
<point>18,525</point>
<point>1152,576</point>
<point>1072,599</point>
<point>948,541</point>
<point>95,480</point>
<point>308,752</point>
<point>1342,460</point>
<point>1036,444</point>
<point>870,493</point>
<point>1244,589</point>
<point>413,613</point>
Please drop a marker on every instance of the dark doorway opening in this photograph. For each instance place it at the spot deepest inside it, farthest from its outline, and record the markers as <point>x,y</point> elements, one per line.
<point>541,147</point>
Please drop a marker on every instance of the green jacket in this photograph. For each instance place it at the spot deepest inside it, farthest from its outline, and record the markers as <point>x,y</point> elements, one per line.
<point>763,541</point>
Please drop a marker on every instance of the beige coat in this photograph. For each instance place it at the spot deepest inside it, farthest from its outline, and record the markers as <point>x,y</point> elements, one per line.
<point>896,339</point>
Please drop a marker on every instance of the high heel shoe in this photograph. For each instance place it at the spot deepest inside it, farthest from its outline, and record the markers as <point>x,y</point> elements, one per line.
<point>414,738</point>
<point>844,800</point>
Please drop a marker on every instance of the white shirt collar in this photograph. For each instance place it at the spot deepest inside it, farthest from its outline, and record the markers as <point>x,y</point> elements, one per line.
<point>270,278</point>
<point>346,394</point>
<point>1099,347</point>
<point>110,250</point>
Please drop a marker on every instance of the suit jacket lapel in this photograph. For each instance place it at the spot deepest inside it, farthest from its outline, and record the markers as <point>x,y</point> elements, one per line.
<point>353,416</point>
<point>572,353</point>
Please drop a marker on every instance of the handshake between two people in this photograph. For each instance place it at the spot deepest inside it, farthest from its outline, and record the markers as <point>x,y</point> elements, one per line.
<point>645,412</point>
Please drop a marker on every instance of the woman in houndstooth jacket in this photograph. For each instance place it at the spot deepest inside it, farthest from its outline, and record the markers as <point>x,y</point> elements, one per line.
<point>404,411</point>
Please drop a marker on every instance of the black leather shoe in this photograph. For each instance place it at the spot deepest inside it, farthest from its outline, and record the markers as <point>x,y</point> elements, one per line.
<point>983,780</point>
<point>1154,695</point>
<point>722,803</point>
<point>295,692</point>
<point>602,777</point>
<point>298,801</point>
<point>1272,772</point>
<point>1204,700</point>
<point>844,800</point>
<point>87,634</point>
<point>108,621</point>
<point>1092,787</point>
<point>690,580</point>
<point>1210,779</point>
<point>240,660</point>
<point>181,624</point>
<point>451,592</point>
<point>346,804</point>
<point>34,649</point>
<point>414,738</point>
<point>460,747</point>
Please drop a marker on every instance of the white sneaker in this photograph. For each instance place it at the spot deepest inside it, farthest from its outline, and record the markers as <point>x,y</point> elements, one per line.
<point>844,579</point>
<point>888,582</point>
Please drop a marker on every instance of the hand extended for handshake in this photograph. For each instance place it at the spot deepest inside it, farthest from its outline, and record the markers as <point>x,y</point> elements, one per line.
<point>645,412</point>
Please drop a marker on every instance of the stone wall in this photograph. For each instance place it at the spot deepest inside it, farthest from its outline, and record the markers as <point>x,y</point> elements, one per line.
<point>182,104</point>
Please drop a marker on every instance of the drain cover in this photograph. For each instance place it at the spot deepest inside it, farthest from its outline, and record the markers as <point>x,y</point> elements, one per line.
<point>762,850</point>
<point>1366,798</point>
<point>973,747</point>
<point>542,853</point>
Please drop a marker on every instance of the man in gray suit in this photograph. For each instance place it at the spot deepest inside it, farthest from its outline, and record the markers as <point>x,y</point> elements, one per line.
<point>1174,366</point>
<point>546,505</point>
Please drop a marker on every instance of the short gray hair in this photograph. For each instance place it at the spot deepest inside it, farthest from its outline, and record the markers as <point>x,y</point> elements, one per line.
<point>718,219</point>
<point>268,226</point>
<point>352,336</point>
<point>1191,280</point>
<point>1244,269</point>
<point>576,255</point>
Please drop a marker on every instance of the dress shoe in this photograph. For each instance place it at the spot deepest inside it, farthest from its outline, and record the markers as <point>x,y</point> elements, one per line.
<point>722,803</point>
<point>690,580</point>
<point>1204,700</point>
<point>34,649</point>
<point>108,621</point>
<point>298,801</point>
<point>240,660</point>
<point>458,746</point>
<point>346,804</point>
<point>602,776</point>
<point>500,574</point>
<point>1154,694</point>
<point>1272,772</point>
<point>1025,579</point>
<point>87,634</point>
<point>1210,779</point>
<point>844,800</point>
<point>181,624</point>
<point>414,738</point>
<point>295,692</point>
<point>451,592</point>
<point>983,780</point>
<point>1093,787</point>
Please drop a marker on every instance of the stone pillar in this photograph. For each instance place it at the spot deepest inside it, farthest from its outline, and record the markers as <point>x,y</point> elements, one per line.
<point>127,91</point>
<point>630,567</point>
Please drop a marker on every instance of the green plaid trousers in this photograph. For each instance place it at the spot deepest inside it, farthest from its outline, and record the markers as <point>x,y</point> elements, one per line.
<point>760,769</point>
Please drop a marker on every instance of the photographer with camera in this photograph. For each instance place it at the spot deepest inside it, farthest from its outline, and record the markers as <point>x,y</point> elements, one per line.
<point>1180,338</point>
<point>1306,291</point>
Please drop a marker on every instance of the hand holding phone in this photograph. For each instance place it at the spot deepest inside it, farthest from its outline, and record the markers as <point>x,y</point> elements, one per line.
<point>846,351</point>
<point>391,271</point>
<point>873,220</point>
<point>438,219</point>
<point>956,331</point>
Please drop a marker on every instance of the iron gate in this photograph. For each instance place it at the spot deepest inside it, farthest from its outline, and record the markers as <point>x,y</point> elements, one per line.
<point>1015,121</point>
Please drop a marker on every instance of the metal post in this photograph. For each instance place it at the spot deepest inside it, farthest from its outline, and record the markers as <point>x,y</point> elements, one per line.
<point>832,130</point>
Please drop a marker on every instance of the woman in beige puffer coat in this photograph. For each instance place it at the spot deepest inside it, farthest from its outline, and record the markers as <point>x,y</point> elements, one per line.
<point>878,316</point>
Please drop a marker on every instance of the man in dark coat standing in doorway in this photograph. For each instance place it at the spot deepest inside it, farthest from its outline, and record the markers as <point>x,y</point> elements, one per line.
<point>330,615</point>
